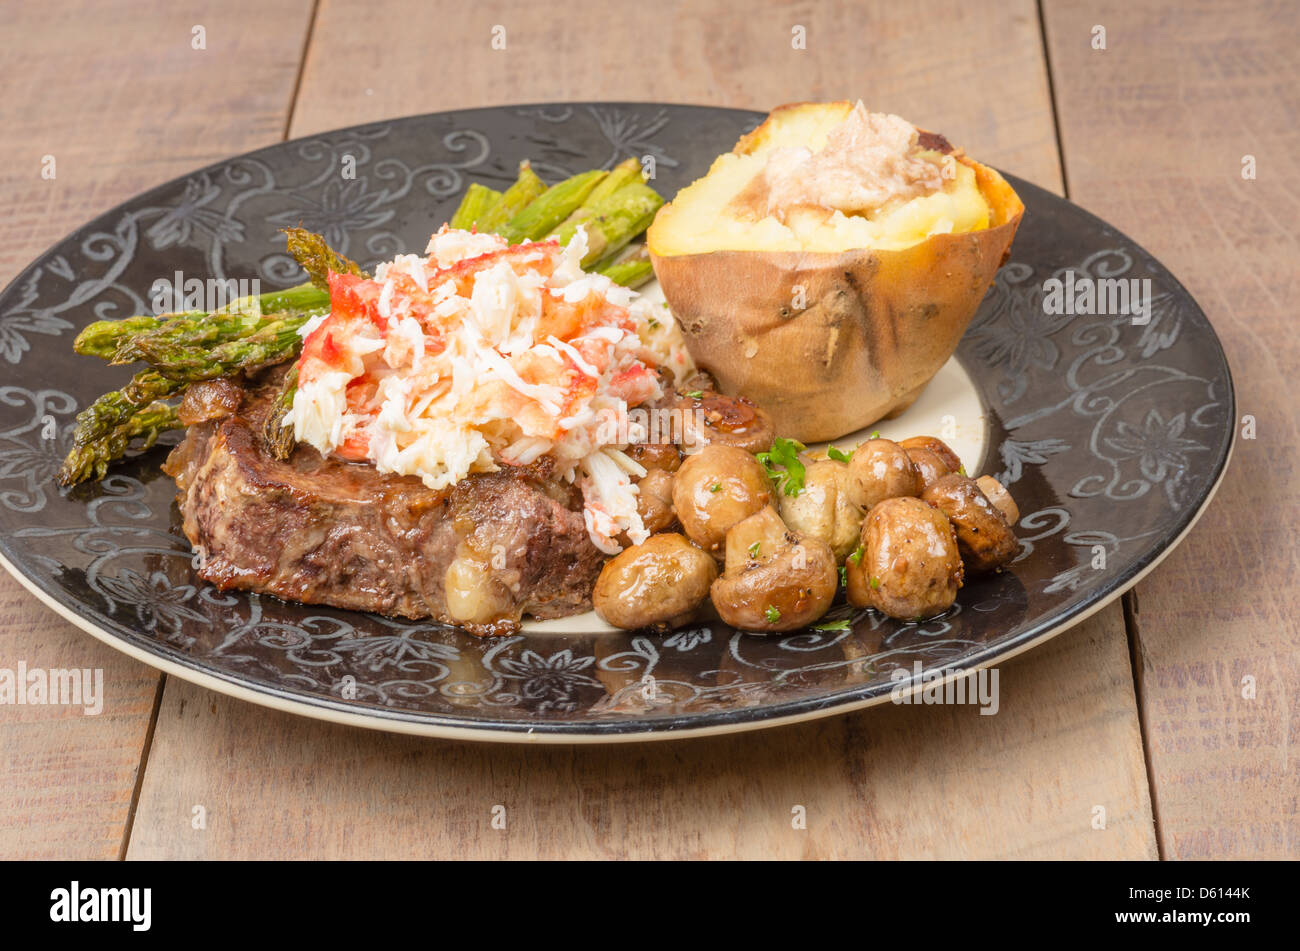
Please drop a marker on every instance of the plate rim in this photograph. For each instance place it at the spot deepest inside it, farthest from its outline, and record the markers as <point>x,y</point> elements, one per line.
<point>559,734</point>
<point>631,729</point>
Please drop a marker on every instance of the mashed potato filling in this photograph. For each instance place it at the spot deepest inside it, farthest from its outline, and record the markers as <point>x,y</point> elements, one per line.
<point>833,184</point>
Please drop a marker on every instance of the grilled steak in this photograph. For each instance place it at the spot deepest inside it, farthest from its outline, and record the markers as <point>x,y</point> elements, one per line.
<point>323,531</point>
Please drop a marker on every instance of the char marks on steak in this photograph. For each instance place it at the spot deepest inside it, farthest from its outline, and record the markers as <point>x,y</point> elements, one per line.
<point>324,531</point>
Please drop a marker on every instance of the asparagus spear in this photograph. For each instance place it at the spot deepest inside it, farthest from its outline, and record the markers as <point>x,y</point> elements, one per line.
<point>615,221</point>
<point>273,342</point>
<point>187,347</point>
<point>91,459</point>
<point>98,436</point>
<point>305,296</point>
<point>624,173</point>
<point>114,409</point>
<point>191,330</point>
<point>129,339</point>
<point>631,271</point>
<point>478,201</point>
<point>526,187</point>
<point>240,319</point>
<point>104,337</point>
<point>280,438</point>
<point>317,258</point>
<point>622,256</point>
<point>548,209</point>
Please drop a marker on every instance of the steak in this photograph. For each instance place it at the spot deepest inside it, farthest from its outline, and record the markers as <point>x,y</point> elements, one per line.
<point>319,530</point>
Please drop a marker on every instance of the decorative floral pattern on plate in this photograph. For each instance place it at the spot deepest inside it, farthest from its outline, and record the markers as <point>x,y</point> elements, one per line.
<point>1113,434</point>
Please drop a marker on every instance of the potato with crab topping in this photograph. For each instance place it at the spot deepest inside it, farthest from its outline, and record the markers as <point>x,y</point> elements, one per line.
<point>827,266</point>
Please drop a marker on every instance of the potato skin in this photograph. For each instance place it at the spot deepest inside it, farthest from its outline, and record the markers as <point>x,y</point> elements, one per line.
<point>714,489</point>
<point>881,469</point>
<point>876,325</point>
<point>910,566</point>
<point>658,583</point>
<point>986,541</point>
<point>824,509</point>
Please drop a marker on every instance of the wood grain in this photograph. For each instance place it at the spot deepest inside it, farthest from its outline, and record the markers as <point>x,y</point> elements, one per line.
<point>66,778</point>
<point>934,62</point>
<point>894,782</point>
<point>890,782</point>
<point>116,94</point>
<point>1155,128</point>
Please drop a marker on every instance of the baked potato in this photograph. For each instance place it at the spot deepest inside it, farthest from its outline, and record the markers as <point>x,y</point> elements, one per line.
<point>828,265</point>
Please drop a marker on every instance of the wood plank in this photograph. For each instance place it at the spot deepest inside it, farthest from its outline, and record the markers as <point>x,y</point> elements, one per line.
<point>120,99</point>
<point>933,62</point>
<point>66,778</point>
<point>1155,129</point>
<point>895,781</point>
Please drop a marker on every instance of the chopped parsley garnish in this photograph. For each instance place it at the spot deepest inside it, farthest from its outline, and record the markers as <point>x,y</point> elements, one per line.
<point>753,549</point>
<point>772,614</point>
<point>876,434</point>
<point>856,556</point>
<point>716,487</point>
<point>961,470</point>
<point>844,575</point>
<point>654,324</point>
<point>696,394</point>
<point>875,584</point>
<point>839,455</point>
<point>832,626</point>
<point>782,464</point>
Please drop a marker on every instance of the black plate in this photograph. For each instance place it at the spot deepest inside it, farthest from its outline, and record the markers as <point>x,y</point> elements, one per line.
<point>1112,436</point>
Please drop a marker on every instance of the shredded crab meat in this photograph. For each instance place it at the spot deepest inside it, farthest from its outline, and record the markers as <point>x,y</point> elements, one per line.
<point>870,160</point>
<point>479,355</point>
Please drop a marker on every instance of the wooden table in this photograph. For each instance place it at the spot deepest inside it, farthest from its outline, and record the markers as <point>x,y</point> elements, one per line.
<point>1139,710</point>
